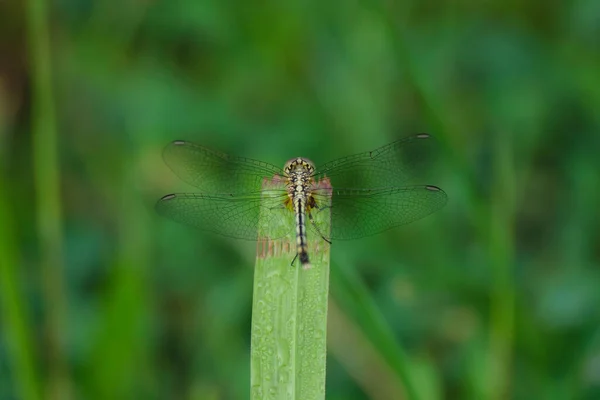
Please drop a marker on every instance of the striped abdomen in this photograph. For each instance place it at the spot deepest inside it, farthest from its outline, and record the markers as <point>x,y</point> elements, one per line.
<point>301,247</point>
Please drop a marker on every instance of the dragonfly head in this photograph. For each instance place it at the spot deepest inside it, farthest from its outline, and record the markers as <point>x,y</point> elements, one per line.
<point>299,164</point>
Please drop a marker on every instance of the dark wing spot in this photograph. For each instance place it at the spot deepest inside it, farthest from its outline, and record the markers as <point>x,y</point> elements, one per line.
<point>432,188</point>
<point>423,135</point>
<point>168,197</point>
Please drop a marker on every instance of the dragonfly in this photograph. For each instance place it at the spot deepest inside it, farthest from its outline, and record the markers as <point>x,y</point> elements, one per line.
<point>363,194</point>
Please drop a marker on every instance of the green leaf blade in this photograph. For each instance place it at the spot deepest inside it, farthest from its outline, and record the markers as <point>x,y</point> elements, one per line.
<point>289,313</point>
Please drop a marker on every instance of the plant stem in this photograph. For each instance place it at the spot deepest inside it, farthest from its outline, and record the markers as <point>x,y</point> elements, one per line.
<point>502,307</point>
<point>22,362</point>
<point>47,187</point>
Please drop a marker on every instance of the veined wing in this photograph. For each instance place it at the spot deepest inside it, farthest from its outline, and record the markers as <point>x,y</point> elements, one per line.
<point>392,165</point>
<point>234,216</point>
<point>215,172</point>
<point>357,213</point>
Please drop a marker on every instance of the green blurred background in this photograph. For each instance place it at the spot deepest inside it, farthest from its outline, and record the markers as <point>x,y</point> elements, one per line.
<point>497,296</point>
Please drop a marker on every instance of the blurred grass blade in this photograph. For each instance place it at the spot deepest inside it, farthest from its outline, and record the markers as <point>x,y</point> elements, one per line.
<point>119,356</point>
<point>502,302</point>
<point>14,318</point>
<point>353,298</point>
<point>289,314</point>
<point>365,364</point>
<point>47,186</point>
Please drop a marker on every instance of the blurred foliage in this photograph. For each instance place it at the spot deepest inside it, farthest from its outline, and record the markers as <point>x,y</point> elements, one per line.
<point>496,296</point>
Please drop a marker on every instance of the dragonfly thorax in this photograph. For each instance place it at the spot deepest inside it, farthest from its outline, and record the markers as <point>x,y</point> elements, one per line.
<point>299,173</point>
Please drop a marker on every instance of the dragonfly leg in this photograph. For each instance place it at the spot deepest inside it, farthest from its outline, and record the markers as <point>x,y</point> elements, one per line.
<point>310,217</point>
<point>294,260</point>
<point>321,208</point>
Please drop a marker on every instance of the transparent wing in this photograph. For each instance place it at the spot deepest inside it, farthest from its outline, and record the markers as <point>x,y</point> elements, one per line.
<point>357,213</point>
<point>392,165</point>
<point>215,172</point>
<point>234,216</point>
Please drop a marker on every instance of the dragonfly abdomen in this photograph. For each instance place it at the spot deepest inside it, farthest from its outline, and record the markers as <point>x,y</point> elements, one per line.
<point>301,246</point>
